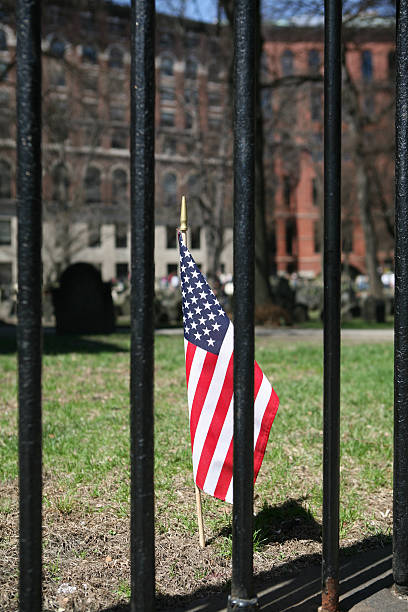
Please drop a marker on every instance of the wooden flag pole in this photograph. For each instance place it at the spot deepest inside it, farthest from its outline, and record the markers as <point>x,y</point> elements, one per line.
<point>183,231</point>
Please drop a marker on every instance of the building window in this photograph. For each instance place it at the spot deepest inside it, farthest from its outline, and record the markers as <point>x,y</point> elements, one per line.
<point>171,237</point>
<point>193,188</point>
<point>290,234</point>
<point>171,269</point>
<point>214,123</point>
<point>3,41</point>
<point>90,81</point>
<point>60,179</point>
<point>191,68</point>
<point>5,232</point>
<point>287,63</point>
<point>57,48</point>
<point>4,69</point>
<point>4,99</point>
<point>314,61</point>
<point>367,66</point>
<point>94,236</point>
<point>317,237</point>
<point>5,125</point>
<point>121,236</point>
<point>167,94</point>
<point>122,271</point>
<point>115,58</point>
<point>315,104</point>
<point>5,274</point>
<point>214,98</point>
<point>166,66</point>
<point>89,54</point>
<point>170,189</point>
<point>369,105</point>
<point>190,96</point>
<point>188,121</point>
<point>119,139</point>
<point>166,39</point>
<point>116,25</point>
<point>57,74</point>
<point>196,237</point>
<point>5,180</point>
<point>169,146</point>
<point>192,41</point>
<point>214,72</point>
<point>315,192</point>
<point>119,186</point>
<point>92,185</point>
<point>117,113</point>
<point>391,65</point>
<point>87,22</point>
<point>166,119</point>
<point>287,191</point>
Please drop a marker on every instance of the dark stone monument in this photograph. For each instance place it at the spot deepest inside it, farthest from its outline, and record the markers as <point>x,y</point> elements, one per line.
<point>83,302</point>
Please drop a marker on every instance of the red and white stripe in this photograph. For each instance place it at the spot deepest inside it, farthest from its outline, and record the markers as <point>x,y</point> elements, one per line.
<point>211,406</point>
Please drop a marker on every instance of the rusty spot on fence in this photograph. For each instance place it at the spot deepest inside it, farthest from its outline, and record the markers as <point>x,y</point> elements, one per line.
<point>330,596</point>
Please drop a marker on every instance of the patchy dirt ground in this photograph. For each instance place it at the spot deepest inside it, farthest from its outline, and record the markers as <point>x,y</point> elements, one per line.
<point>86,554</point>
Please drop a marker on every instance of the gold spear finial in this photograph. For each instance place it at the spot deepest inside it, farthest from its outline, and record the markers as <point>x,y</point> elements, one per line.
<point>183,215</point>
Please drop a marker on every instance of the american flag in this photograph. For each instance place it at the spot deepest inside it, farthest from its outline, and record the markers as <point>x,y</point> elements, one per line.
<point>209,352</point>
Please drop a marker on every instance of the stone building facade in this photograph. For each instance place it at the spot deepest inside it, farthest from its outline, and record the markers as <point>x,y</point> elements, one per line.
<point>86,64</point>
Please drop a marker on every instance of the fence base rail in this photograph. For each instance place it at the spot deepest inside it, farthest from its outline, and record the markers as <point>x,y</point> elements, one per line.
<point>237,603</point>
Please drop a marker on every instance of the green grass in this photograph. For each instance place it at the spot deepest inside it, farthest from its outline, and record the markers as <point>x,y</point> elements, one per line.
<point>86,436</point>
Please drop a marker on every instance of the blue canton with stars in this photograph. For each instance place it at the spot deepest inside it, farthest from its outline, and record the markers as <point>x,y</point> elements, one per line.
<point>205,322</point>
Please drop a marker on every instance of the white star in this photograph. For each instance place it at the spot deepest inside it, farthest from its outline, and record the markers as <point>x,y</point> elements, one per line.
<point>190,289</point>
<point>186,304</point>
<point>183,268</point>
<point>197,336</point>
<point>210,342</point>
<point>207,305</point>
<point>193,325</point>
<point>194,274</point>
<point>216,326</point>
<point>198,310</point>
<point>211,316</point>
<point>202,320</point>
<point>199,284</point>
<point>183,293</point>
<point>190,315</point>
<point>221,312</point>
<point>187,329</point>
<point>190,264</point>
<point>206,331</point>
<point>194,300</point>
<point>202,295</point>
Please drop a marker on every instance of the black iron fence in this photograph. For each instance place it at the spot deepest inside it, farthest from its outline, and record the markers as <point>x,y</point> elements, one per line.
<point>142,265</point>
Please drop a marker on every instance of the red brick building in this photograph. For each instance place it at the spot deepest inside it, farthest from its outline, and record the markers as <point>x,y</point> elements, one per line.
<point>86,140</point>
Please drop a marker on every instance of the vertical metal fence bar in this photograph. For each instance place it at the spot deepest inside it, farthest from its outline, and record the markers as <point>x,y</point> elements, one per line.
<point>29,333</point>
<point>332,272</point>
<point>142,311</point>
<point>242,593</point>
<point>400,531</point>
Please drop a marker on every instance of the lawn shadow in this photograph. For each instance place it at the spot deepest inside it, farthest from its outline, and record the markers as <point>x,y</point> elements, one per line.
<point>54,344</point>
<point>365,569</point>
<point>289,521</point>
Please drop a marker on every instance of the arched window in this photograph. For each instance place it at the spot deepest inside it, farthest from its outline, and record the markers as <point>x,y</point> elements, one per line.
<point>367,65</point>
<point>119,186</point>
<point>92,184</point>
<point>314,61</point>
<point>5,180</point>
<point>3,40</point>
<point>89,54</point>
<point>166,66</point>
<point>287,62</point>
<point>170,189</point>
<point>191,68</point>
<point>214,72</point>
<point>115,58</point>
<point>60,179</point>
<point>57,48</point>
